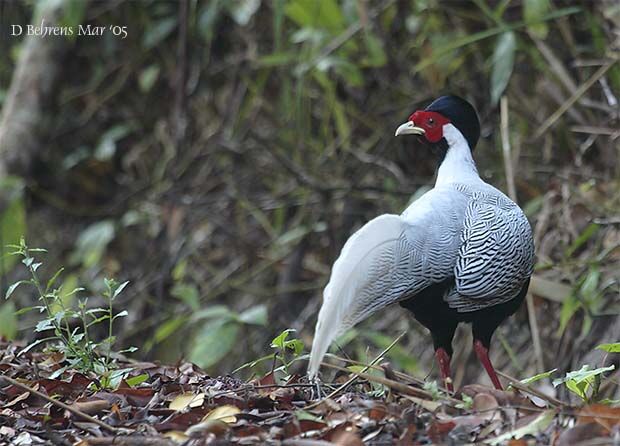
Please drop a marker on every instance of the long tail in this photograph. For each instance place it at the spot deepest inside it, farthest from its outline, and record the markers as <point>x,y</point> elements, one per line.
<point>357,286</point>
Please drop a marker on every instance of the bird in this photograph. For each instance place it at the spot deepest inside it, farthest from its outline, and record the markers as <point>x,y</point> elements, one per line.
<point>461,253</point>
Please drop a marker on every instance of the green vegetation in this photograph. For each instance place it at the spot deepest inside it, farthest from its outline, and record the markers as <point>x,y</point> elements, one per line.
<point>68,330</point>
<point>219,156</point>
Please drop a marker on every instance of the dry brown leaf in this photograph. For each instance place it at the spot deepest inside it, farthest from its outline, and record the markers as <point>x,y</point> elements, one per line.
<point>606,416</point>
<point>187,400</point>
<point>347,438</point>
<point>581,433</point>
<point>177,436</point>
<point>17,399</point>
<point>216,427</point>
<point>224,413</point>
<point>520,442</point>
<point>92,407</point>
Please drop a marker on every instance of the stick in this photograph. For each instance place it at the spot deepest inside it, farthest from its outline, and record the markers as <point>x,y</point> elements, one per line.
<point>512,192</point>
<point>514,382</point>
<point>354,378</point>
<point>62,405</point>
<point>574,98</point>
<point>395,385</point>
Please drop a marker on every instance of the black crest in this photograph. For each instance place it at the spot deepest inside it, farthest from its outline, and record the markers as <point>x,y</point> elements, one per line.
<point>462,115</point>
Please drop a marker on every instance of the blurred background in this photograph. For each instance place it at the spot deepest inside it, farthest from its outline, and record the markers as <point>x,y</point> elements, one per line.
<point>219,153</point>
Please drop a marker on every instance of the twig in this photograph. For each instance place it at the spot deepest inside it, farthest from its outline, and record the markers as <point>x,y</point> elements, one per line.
<point>513,382</point>
<point>394,385</point>
<point>551,120</point>
<point>62,405</point>
<point>129,441</point>
<point>512,192</point>
<point>398,374</point>
<point>510,176</point>
<point>344,37</point>
<point>354,378</point>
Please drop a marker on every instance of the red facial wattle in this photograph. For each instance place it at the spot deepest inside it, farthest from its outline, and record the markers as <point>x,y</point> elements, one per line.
<point>431,122</point>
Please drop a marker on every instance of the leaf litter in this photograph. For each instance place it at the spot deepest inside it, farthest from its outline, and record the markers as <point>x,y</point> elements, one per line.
<point>178,404</point>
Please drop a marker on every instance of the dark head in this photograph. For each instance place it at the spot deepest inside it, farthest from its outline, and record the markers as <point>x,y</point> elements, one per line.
<point>445,110</point>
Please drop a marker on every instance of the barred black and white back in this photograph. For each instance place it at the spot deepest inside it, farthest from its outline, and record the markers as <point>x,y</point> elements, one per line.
<point>463,231</point>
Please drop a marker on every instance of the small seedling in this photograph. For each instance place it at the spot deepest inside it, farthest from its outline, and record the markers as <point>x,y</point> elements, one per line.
<point>70,327</point>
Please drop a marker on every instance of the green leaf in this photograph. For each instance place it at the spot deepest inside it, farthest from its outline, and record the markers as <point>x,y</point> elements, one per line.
<point>214,312</point>
<point>106,148</point>
<point>148,77</point>
<point>187,293</point>
<point>277,59</point>
<point>213,342</point>
<point>14,286</point>
<point>119,289</point>
<point>279,341</point>
<point>256,315</point>
<point>533,10</point>
<point>569,308</point>
<point>135,380</point>
<point>52,281</point>
<point>376,55</point>
<point>45,324</point>
<point>157,33</point>
<point>296,345</point>
<point>579,381</point>
<point>324,14</point>
<point>13,219</point>
<point>589,287</point>
<point>32,345</point>
<point>538,377</point>
<point>503,63</point>
<point>123,313</point>
<point>168,328</point>
<point>73,14</point>
<point>92,243</point>
<point>586,235</point>
<point>27,309</point>
<point>609,348</point>
<point>8,320</point>
<point>243,11</point>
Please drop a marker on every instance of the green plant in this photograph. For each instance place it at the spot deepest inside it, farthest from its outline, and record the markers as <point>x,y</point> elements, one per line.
<point>71,327</point>
<point>584,382</point>
<point>286,348</point>
<point>286,352</point>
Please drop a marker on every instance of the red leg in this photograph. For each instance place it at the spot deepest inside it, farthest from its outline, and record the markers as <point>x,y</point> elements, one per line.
<point>443,359</point>
<point>483,356</point>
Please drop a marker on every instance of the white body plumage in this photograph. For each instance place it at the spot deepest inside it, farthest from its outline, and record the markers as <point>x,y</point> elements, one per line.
<point>463,228</point>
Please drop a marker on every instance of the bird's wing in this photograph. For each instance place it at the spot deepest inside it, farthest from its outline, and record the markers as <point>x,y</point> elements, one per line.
<point>390,258</point>
<point>496,254</point>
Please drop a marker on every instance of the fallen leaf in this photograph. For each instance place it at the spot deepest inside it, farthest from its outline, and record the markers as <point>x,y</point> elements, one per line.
<point>606,416</point>
<point>537,425</point>
<point>582,433</point>
<point>92,407</point>
<point>17,399</point>
<point>224,413</point>
<point>177,436</point>
<point>216,427</point>
<point>187,400</point>
<point>347,438</point>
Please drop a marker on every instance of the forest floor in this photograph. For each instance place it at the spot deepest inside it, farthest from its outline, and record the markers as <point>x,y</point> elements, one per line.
<point>147,403</point>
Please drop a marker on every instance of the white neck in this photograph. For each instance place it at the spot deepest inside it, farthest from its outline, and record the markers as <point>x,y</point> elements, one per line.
<point>458,165</point>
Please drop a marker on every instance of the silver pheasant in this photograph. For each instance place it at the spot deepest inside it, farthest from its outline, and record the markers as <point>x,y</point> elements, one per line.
<point>463,252</point>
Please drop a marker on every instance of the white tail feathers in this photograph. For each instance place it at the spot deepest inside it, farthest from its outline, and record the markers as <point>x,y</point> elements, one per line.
<point>351,295</point>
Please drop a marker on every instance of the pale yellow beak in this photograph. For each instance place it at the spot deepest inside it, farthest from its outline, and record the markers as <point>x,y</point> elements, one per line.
<point>408,128</point>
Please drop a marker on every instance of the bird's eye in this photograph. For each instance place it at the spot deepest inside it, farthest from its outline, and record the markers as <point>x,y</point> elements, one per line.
<point>431,121</point>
